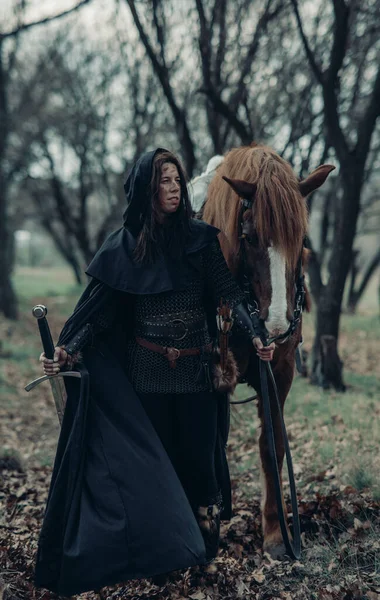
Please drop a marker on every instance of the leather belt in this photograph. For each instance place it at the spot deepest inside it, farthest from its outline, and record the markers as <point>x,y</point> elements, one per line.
<point>172,354</point>
<point>176,329</point>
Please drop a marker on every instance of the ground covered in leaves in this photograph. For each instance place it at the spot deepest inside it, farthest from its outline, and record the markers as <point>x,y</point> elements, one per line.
<point>335,446</point>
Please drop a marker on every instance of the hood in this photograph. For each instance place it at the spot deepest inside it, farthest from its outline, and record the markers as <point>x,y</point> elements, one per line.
<point>138,191</point>
<point>114,263</point>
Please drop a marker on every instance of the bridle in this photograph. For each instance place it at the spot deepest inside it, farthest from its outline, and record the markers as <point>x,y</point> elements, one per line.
<point>266,375</point>
<point>250,297</point>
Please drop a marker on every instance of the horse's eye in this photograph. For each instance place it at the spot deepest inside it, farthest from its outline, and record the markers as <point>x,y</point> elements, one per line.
<point>251,238</point>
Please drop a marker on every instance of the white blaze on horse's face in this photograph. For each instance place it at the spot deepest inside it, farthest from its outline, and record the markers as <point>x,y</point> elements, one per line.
<point>277,322</point>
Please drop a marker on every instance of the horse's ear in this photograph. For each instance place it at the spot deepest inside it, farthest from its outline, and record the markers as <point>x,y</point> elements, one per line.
<point>315,179</point>
<point>242,188</point>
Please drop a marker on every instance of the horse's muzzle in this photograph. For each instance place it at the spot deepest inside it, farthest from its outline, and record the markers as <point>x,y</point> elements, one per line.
<point>278,330</point>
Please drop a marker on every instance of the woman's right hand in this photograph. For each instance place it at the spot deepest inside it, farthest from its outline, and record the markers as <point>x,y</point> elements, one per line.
<point>265,353</point>
<point>53,366</point>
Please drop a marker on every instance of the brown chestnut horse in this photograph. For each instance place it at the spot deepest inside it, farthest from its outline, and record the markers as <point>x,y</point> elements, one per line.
<point>258,203</point>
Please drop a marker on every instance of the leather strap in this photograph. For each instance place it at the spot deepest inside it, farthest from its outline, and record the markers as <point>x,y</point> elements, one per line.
<point>266,374</point>
<point>172,354</point>
<point>176,329</point>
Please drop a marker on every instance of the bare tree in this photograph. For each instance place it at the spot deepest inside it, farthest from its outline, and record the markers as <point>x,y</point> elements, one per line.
<point>363,268</point>
<point>213,28</point>
<point>8,301</point>
<point>160,66</point>
<point>359,97</point>
<point>221,72</point>
<point>85,109</point>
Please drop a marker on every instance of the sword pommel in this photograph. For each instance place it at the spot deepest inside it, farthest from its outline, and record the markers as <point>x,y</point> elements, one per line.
<point>39,311</point>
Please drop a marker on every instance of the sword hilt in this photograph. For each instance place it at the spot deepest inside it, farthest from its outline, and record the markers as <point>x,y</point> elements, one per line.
<point>40,312</point>
<point>56,381</point>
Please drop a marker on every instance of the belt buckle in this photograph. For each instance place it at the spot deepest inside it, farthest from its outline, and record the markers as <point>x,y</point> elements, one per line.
<point>181,322</point>
<point>172,354</point>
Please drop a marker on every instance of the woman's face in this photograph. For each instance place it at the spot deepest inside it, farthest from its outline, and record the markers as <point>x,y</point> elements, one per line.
<point>169,191</point>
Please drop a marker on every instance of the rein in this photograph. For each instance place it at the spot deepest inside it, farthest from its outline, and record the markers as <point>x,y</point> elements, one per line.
<point>293,548</point>
<point>266,375</point>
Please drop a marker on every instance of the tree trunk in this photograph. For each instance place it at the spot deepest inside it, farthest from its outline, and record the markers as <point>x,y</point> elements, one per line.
<point>64,247</point>
<point>76,270</point>
<point>355,295</point>
<point>353,276</point>
<point>326,366</point>
<point>328,369</point>
<point>331,295</point>
<point>8,301</point>
<point>314,273</point>
<point>83,242</point>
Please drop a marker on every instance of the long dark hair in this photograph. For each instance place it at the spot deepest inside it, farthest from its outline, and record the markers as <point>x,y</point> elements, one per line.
<point>170,235</point>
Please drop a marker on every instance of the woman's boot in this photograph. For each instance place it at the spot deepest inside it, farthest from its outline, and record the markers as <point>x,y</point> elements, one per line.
<point>208,518</point>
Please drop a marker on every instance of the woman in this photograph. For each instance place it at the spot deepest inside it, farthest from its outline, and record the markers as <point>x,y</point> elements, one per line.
<point>118,507</point>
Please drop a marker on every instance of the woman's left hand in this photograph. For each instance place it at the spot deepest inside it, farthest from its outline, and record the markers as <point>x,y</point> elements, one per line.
<point>264,352</point>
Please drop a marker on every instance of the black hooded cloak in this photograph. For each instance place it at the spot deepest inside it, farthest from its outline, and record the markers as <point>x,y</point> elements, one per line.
<point>116,509</point>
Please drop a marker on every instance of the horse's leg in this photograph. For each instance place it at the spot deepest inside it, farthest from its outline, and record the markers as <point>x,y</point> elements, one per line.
<point>273,542</point>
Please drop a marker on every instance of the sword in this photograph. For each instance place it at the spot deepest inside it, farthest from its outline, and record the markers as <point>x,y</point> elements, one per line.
<point>56,381</point>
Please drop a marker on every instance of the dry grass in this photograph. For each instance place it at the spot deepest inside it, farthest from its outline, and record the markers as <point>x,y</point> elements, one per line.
<point>334,439</point>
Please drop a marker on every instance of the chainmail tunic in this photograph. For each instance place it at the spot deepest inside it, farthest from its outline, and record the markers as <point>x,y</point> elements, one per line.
<point>149,371</point>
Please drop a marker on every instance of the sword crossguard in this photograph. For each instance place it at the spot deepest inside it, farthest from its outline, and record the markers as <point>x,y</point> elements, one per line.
<point>36,382</point>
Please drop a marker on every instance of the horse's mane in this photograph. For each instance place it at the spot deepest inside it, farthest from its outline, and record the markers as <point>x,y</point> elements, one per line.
<point>279,210</point>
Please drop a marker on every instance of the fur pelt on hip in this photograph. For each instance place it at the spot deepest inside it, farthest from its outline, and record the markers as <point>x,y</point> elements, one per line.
<point>225,381</point>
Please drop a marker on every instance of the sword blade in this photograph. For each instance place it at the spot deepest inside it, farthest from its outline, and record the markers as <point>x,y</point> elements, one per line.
<point>59,395</point>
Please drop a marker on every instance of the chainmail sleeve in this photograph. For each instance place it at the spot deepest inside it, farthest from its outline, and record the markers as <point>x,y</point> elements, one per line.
<point>223,285</point>
<point>219,278</point>
<point>99,322</point>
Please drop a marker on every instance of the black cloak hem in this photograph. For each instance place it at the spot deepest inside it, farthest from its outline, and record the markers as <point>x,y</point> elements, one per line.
<point>116,510</point>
